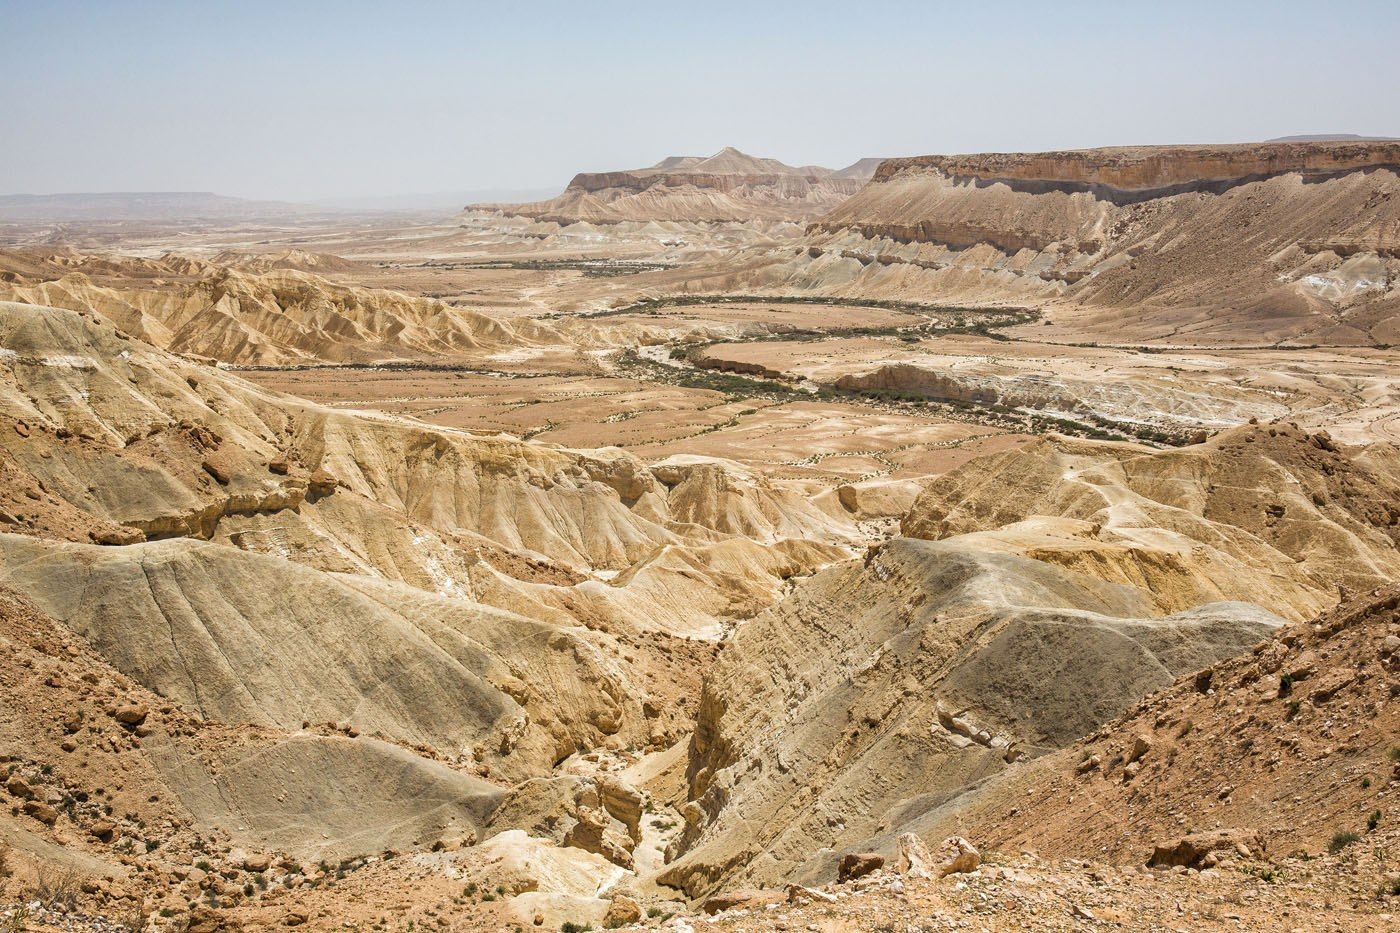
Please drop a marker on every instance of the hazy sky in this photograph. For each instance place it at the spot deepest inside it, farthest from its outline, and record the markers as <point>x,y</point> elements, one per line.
<point>301,100</point>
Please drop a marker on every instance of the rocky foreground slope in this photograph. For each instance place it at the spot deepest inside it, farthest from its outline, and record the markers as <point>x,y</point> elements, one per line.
<point>727,186</point>
<point>1229,245</point>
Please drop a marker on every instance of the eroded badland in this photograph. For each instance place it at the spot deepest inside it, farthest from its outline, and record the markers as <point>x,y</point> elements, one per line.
<point>982,542</point>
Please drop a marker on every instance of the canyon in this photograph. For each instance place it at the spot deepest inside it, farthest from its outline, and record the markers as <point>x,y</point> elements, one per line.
<point>718,545</point>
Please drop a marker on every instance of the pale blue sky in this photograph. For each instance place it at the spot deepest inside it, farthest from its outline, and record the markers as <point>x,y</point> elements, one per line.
<point>302,100</point>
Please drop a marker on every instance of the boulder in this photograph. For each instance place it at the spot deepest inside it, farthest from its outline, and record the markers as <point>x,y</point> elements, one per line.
<point>19,787</point>
<point>955,855</point>
<point>1198,848</point>
<point>858,864</point>
<point>218,470</point>
<point>595,832</point>
<point>624,803</point>
<point>132,714</point>
<point>208,920</point>
<point>41,811</point>
<point>798,894</point>
<point>322,482</point>
<point>729,900</point>
<point>1142,744</point>
<point>622,911</point>
<point>912,856</point>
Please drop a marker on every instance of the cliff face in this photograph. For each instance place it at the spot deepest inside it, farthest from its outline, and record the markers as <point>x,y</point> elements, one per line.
<point>1144,168</point>
<point>1216,244</point>
<point>728,186</point>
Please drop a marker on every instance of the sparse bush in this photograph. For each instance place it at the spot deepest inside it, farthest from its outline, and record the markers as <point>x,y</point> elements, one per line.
<point>1373,821</point>
<point>57,888</point>
<point>1341,839</point>
<point>571,927</point>
<point>1365,782</point>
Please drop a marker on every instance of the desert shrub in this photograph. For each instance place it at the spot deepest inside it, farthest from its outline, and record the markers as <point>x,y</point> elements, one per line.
<point>1341,839</point>
<point>1373,821</point>
<point>57,888</point>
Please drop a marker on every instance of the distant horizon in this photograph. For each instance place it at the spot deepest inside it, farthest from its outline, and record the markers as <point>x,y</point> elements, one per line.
<point>541,192</point>
<point>305,103</point>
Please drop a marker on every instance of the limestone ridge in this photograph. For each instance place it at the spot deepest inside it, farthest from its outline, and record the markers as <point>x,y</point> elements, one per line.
<point>1232,245</point>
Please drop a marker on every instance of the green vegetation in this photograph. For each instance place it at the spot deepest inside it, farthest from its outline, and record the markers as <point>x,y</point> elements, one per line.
<point>1341,839</point>
<point>594,268</point>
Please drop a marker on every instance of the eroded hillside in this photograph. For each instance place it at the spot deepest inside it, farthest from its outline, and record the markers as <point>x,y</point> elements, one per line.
<point>1226,245</point>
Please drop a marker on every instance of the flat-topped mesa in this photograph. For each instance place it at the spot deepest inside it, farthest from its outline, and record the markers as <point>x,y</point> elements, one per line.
<point>1148,168</point>
<point>727,186</point>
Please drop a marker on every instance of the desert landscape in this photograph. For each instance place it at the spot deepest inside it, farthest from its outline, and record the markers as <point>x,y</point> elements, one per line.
<point>983,541</point>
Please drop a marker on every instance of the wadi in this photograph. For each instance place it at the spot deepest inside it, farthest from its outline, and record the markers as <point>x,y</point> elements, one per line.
<point>985,541</point>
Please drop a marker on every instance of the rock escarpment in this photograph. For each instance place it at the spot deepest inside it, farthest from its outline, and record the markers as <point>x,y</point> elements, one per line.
<point>1248,244</point>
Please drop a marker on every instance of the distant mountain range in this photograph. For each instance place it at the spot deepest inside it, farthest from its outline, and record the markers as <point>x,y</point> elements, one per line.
<point>727,186</point>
